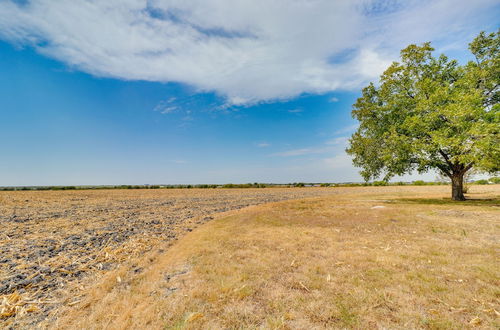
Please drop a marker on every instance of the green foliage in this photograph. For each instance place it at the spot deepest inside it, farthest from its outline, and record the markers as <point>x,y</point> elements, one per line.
<point>482,181</point>
<point>419,183</point>
<point>380,183</point>
<point>63,188</point>
<point>206,186</point>
<point>431,113</point>
<point>495,180</point>
<point>352,184</point>
<point>245,185</point>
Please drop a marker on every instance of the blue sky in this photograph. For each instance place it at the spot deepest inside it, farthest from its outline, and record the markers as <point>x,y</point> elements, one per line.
<point>140,92</point>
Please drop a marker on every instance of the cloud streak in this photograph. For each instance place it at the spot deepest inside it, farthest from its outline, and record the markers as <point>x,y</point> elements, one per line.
<point>341,141</point>
<point>302,152</point>
<point>246,51</point>
<point>346,129</point>
<point>329,147</point>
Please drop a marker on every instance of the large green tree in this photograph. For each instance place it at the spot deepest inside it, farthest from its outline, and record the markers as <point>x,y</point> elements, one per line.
<point>432,113</point>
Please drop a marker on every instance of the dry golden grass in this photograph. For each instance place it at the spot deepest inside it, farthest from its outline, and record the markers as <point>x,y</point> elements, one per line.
<point>53,241</point>
<point>338,261</point>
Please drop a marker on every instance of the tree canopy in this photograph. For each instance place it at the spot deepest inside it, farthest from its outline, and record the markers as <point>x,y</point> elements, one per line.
<point>432,113</point>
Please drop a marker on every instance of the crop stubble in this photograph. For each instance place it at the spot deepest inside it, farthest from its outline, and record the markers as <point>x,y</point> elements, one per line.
<point>54,239</point>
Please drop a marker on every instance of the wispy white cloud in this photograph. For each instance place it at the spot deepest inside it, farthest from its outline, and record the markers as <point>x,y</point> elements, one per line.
<point>238,49</point>
<point>166,106</point>
<point>333,99</point>
<point>168,109</point>
<point>188,116</point>
<point>263,145</point>
<point>303,151</point>
<point>341,161</point>
<point>295,110</point>
<point>346,129</point>
<point>342,140</point>
<point>330,147</point>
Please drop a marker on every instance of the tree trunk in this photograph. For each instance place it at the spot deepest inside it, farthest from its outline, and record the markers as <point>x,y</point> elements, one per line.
<point>457,187</point>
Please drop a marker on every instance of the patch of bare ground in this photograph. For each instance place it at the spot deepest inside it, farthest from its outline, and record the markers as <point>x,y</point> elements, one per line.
<point>361,258</point>
<point>54,244</point>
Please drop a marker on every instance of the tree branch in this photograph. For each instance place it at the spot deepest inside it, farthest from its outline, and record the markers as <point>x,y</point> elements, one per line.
<point>488,92</point>
<point>444,170</point>
<point>468,167</point>
<point>446,158</point>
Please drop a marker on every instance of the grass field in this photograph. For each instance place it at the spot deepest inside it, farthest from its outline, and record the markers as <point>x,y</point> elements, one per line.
<point>374,257</point>
<point>52,241</point>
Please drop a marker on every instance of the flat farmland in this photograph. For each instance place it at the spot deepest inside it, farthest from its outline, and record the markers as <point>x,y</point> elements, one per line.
<point>292,258</point>
<point>357,258</point>
<point>51,241</point>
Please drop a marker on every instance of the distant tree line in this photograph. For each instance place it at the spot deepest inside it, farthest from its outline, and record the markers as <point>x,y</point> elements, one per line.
<point>493,180</point>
